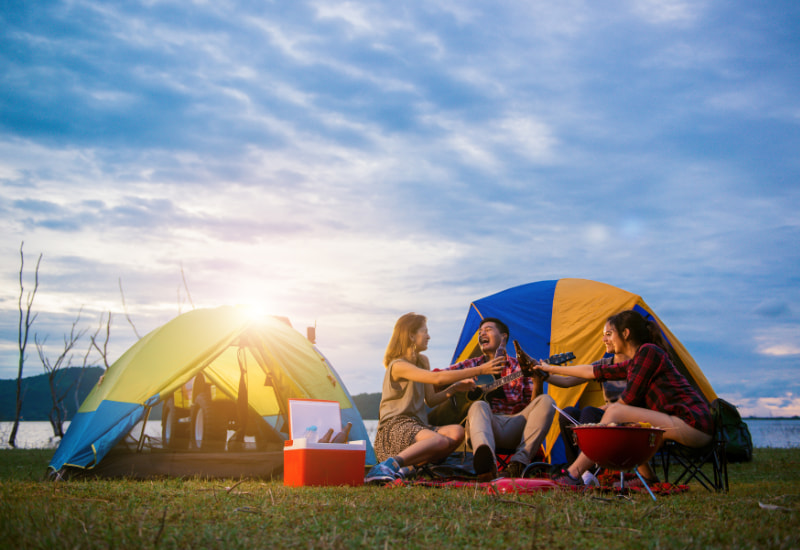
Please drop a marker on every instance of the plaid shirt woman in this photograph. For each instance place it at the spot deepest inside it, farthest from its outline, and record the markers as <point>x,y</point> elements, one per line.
<point>654,383</point>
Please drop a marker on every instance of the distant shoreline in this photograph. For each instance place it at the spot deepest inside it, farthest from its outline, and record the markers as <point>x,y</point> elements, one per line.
<point>771,417</point>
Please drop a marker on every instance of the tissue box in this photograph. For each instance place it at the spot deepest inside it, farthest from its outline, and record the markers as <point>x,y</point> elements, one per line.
<point>310,463</point>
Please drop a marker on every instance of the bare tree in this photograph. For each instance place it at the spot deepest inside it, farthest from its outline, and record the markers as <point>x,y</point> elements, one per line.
<point>54,370</point>
<point>85,363</point>
<point>125,309</point>
<point>103,351</point>
<point>25,323</point>
<point>186,287</point>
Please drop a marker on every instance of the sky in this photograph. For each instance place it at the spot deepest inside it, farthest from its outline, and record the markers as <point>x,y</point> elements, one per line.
<point>343,163</point>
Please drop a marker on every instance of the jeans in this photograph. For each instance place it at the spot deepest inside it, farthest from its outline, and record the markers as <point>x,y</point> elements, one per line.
<point>524,432</point>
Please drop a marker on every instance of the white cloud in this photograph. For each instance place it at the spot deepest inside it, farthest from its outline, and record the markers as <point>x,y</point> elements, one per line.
<point>352,13</point>
<point>778,341</point>
<point>380,158</point>
<point>785,405</point>
<point>668,12</point>
<point>597,234</point>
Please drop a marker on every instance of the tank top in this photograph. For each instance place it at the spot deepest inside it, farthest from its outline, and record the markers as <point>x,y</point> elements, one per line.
<point>402,397</point>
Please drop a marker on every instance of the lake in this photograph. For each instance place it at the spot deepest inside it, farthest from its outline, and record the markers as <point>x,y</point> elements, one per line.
<point>767,432</point>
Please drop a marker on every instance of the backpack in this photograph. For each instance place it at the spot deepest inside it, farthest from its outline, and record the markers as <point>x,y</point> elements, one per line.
<point>734,431</point>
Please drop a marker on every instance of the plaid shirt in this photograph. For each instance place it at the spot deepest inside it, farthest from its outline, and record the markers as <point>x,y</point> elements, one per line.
<point>511,398</point>
<point>654,383</point>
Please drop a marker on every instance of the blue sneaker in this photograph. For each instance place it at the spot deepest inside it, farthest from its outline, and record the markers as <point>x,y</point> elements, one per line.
<point>384,472</point>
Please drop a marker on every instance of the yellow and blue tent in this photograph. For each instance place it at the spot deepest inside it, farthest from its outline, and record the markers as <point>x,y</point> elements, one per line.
<point>279,362</point>
<point>566,315</point>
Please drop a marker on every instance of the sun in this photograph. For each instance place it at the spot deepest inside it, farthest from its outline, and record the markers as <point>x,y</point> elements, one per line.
<point>256,311</point>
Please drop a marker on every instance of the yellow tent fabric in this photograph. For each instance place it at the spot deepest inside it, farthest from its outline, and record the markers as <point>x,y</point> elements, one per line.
<point>280,363</point>
<point>566,315</point>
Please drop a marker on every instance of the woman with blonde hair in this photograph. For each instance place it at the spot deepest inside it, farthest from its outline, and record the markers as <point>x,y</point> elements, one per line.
<point>404,437</point>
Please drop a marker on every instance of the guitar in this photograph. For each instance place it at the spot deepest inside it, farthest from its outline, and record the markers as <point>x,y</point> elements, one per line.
<point>454,410</point>
<point>486,383</point>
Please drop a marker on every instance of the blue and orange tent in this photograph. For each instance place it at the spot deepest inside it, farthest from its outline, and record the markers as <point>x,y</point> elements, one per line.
<point>279,362</point>
<point>566,315</point>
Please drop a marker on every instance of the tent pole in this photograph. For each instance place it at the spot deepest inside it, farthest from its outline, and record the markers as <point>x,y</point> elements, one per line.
<point>144,425</point>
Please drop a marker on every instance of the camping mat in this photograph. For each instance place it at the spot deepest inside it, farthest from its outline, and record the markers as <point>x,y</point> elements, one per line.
<point>494,487</point>
<point>523,486</point>
<point>457,471</point>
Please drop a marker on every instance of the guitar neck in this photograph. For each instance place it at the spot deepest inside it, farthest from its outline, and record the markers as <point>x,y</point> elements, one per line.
<point>501,381</point>
<point>559,359</point>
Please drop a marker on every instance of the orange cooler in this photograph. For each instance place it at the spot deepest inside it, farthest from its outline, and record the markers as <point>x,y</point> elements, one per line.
<point>306,462</point>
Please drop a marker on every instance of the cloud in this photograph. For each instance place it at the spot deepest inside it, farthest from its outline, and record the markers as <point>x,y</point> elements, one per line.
<point>348,162</point>
<point>786,404</point>
<point>779,340</point>
<point>773,308</point>
<point>668,12</point>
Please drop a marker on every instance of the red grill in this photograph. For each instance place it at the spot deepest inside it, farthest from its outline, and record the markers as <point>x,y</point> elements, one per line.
<point>619,447</point>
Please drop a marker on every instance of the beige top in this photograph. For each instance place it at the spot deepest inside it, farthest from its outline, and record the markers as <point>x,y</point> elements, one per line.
<point>402,397</point>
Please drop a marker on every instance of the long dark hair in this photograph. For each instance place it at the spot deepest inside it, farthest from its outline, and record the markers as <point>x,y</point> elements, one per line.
<point>641,330</point>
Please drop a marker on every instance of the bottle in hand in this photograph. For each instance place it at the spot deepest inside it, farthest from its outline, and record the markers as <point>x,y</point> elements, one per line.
<point>501,349</point>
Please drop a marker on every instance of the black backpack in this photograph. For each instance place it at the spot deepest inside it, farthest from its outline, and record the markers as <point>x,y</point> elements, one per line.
<point>738,442</point>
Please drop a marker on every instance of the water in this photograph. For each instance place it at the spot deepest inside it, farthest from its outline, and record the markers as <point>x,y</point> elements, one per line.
<point>778,433</point>
<point>770,432</point>
<point>39,435</point>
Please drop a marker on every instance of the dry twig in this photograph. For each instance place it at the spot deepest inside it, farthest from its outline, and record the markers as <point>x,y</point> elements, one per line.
<point>125,309</point>
<point>160,527</point>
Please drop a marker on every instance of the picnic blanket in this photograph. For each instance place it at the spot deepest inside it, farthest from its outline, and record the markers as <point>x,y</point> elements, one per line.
<point>499,486</point>
<point>457,472</point>
<point>522,486</point>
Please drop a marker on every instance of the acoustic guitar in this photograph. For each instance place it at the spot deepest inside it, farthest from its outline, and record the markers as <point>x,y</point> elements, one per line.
<point>454,410</point>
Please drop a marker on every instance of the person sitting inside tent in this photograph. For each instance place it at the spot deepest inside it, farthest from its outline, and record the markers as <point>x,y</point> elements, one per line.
<point>511,417</point>
<point>656,392</point>
<point>404,436</point>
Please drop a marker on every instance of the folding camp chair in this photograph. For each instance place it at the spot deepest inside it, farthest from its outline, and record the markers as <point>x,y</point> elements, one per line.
<point>504,457</point>
<point>690,462</point>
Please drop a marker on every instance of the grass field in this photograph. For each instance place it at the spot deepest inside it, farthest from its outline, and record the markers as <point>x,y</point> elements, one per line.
<point>760,511</point>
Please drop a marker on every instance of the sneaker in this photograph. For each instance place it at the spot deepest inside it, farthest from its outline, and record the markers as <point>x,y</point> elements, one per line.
<point>408,472</point>
<point>384,472</point>
<point>589,479</point>
<point>565,479</point>
<point>483,461</point>
<point>514,469</point>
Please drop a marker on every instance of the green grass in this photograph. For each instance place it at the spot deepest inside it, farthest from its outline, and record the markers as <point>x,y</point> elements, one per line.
<point>195,513</point>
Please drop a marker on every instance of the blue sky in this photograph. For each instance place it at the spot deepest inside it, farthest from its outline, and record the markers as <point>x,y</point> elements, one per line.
<point>342,163</point>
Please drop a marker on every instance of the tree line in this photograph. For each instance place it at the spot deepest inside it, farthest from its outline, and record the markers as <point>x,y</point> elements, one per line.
<point>38,400</point>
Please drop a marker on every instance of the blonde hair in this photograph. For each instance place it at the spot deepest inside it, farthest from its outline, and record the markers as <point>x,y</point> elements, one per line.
<point>401,340</point>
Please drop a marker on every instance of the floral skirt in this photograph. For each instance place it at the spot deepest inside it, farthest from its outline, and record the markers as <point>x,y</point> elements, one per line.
<point>396,435</point>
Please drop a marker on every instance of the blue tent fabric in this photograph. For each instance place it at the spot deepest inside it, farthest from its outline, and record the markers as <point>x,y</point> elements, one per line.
<point>525,309</point>
<point>566,315</point>
<point>90,431</point>
<point>283,365</point>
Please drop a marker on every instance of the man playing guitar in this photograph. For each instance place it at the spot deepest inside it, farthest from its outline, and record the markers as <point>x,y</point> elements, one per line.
<point>510,417</point>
